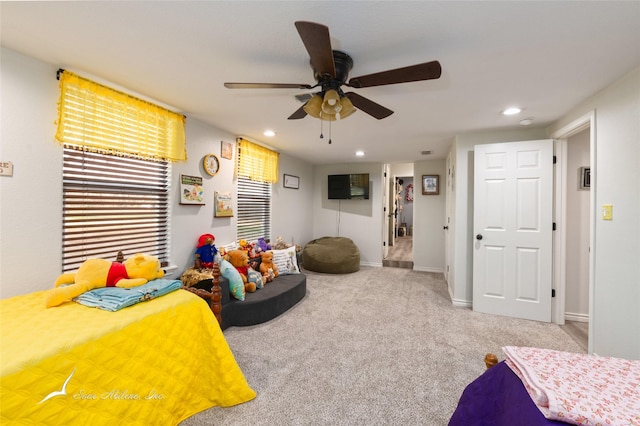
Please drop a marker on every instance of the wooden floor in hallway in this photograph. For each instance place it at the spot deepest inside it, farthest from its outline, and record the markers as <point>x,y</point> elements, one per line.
<point>400,254</point>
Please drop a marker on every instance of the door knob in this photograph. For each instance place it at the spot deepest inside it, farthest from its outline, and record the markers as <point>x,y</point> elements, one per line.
<point>479,237</point>
<point>445,227</point>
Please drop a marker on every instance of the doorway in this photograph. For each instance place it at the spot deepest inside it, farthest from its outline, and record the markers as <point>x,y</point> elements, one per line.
<point>400,253</point>
<point>575,214</point>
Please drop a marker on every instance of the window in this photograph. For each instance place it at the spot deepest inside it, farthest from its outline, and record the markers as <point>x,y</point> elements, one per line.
<point>113,203</point>
<point>116,172</point>
<point>257,169</point>
<point>254,210</point>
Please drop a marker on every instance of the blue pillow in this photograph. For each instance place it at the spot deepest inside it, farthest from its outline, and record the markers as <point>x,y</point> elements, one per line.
<point>236,285</point>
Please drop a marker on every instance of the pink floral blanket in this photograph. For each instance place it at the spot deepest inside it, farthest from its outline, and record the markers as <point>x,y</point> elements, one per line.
<point>578,388</point>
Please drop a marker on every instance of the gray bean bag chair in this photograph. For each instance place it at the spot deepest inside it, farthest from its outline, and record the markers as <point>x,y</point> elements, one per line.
<point>332,255</point>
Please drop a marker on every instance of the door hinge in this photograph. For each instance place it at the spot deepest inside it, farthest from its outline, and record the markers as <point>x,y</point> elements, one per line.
<point>555,159</point>
<point>384,244</point>
<point>553,292</point>
<point>554,226</point>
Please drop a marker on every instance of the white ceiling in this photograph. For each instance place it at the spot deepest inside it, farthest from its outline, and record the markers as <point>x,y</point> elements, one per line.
<point>544,56</point>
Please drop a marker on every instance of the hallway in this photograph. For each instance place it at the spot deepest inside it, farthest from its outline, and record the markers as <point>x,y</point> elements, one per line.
<point>400,254</point>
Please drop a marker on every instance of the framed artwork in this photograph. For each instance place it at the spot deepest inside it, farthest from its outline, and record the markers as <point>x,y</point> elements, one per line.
<point>191,191</point>
<point>223,204</point>
<point>430,184</point>
<point>585,177</point>
<point>226,150</point>
<point>290,181</point>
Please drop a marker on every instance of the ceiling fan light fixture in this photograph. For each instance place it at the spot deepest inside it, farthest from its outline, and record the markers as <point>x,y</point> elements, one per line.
<point>347,108</point>
<point>327,117</point>
<point>331,103</point>
<point>313,107</point>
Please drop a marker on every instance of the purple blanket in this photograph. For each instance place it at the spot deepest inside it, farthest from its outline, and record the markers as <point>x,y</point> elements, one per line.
<point>498,398</point>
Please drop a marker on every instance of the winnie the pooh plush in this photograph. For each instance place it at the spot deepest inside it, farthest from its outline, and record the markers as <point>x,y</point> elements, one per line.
<point>96,273</point>
<point>268,269</point>
<point>240,260</point>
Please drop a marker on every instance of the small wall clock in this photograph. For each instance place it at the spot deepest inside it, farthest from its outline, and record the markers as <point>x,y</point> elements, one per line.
<point>211,164</point>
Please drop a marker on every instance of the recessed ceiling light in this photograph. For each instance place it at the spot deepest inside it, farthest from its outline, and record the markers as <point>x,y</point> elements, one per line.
<point>526,121</point>
<point>359,153</point>
<point>512,111</point>
<point>269,133</point>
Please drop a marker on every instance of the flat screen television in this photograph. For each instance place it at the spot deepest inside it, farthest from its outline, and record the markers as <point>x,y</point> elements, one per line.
<point>353,186</point>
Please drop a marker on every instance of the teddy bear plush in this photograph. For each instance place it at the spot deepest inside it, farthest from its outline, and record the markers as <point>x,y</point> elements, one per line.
<point>95,273</point>
<point>268,269</point>
<point>206,252</point>
<point>240,260</point>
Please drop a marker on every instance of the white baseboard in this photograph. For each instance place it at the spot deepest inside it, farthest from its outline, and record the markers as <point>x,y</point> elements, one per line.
<point>424,269</point>
<point>462,303</point>
<point>572,316</point>
<point>374,264</point>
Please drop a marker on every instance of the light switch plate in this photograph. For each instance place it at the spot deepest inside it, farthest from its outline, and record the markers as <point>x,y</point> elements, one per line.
<point>607,212</point>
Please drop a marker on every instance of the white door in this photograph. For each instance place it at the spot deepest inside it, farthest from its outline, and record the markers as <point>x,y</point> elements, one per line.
<point>513,220</point>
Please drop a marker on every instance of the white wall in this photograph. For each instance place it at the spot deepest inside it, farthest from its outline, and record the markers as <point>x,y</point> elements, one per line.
<point>429,219</point>
<point>360,220</point>
<point>577,228</point>
<point>615,291</point>
<point>292,209</point>
<point>31,200</point>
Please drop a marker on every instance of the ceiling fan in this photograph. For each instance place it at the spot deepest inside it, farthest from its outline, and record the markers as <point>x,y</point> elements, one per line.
<point>331,71</point>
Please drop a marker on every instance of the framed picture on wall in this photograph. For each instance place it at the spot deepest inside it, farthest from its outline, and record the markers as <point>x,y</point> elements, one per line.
<point>290,181</point>
<point>585,177</point>
<point>430,184</point>
<point>223,204</point>
<point>191,191</point>
<point>226,150</point>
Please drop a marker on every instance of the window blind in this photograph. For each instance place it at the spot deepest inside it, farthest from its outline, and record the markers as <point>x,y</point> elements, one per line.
<point>254,210</point>
<point>113,203</point>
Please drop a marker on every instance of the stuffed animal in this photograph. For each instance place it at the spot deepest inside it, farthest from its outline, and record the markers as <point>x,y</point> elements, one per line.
<point>96,273</point>
<point>268,269</point>
<point>240,260</point>
<point>206,252</point>
<point>263,245</point>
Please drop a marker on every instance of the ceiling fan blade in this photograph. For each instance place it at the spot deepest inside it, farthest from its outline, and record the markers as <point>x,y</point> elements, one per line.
<point>266,86</point>
<point>427,71</point>
<point>318,43</point>
<point>368,106</point>
<point>300,113</point>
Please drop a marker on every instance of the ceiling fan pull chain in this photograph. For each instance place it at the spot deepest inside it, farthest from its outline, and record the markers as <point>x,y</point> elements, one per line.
<point>329,132</point>
<point>321,135</point>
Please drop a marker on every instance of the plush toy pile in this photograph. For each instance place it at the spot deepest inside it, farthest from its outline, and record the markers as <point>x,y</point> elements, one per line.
<point>97,273</point>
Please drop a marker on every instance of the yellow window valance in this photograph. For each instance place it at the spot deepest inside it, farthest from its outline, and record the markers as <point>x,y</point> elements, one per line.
<point>96,118</point>
<point>256,162</point>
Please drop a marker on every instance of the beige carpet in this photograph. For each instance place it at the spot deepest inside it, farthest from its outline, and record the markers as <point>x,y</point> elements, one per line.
<point>382,346</point>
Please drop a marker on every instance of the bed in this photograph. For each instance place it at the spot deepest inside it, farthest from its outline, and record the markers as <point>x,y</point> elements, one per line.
<point>535,387</point>
<point>157,362</point>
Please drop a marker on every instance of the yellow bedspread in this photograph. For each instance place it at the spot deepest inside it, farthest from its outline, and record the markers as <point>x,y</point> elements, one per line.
<point>155,363</point>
